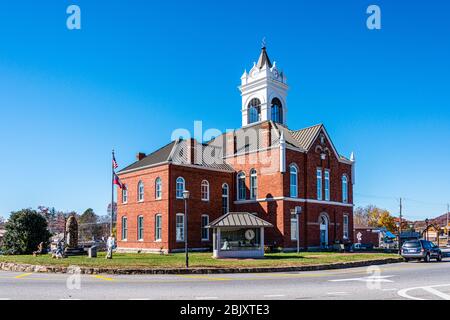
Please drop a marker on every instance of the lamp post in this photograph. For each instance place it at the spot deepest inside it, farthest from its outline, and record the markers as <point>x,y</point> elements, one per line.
<point>186,198</point>
<point>426,228</point>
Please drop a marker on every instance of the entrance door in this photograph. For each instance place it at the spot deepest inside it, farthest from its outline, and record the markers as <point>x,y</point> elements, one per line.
<point>323,232</point>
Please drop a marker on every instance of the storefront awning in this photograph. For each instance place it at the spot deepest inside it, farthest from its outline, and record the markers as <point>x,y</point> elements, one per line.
<point>239,219</point>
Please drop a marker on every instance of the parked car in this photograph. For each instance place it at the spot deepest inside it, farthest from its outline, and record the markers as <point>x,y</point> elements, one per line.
<point>362,246</point>
<point>421,250</point>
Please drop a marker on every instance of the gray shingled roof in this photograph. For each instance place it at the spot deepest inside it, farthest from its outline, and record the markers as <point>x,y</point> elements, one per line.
<point>160,155</point>
<point>239,219</point>
<point>305,137</point>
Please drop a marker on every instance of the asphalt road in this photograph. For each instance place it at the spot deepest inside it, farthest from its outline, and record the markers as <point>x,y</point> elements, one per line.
<point>411,280</point>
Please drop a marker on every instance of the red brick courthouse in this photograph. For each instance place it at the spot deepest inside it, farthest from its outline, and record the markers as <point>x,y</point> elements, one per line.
<point>263,168</point>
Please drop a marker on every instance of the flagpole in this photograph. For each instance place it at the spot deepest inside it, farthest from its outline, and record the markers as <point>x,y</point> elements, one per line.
<point>112,193</point>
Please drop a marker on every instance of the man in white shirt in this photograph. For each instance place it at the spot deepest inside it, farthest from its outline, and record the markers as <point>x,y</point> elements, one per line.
<point>110,244</point>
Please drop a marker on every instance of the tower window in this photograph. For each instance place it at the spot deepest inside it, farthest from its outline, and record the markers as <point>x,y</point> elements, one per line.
<point>276,111</point>
<point>254,110</point>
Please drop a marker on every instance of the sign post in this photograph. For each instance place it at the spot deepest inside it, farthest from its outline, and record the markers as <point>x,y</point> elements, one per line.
<point>298,211</point>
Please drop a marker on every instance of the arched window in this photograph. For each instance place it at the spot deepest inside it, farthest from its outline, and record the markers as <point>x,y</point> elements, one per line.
<point>140,191</point>
<point>253,184</point>
<point>205,190</point>
<point>179,188</point>
<point>225,203</point>
<point>158,188</point>
<point>293,178</point>
<point>242,194</point>
<point>254,110</point>
<point>344,189</point>
<point>276,111</point>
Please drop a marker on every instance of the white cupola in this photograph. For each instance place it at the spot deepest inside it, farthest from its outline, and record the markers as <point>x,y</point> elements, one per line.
<point>263,90</point>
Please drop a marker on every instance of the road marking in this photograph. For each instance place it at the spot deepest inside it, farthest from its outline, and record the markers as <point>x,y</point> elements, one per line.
<point>366,279</point>
<point>139,299</point>
<point>3,299</point>
<point>204,277</point>
<point>430,289</point>
<point>68,299</point>
<point>206,298</point>
<point>338,293</point>
<point>103,278</point>
<point>274,295</point>
<point>23,275</point>
<point>392,289</point>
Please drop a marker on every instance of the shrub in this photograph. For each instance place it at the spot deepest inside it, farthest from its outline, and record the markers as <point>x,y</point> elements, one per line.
<point>25,230</point>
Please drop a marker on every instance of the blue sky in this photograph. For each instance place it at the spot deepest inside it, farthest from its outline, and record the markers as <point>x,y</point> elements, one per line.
<point>137,70</point>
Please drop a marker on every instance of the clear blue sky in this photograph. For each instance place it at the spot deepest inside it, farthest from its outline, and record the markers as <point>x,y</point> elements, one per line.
<point>139,69</point>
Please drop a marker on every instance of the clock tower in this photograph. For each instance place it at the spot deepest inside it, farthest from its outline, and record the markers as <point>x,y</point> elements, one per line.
<point>263,91</point>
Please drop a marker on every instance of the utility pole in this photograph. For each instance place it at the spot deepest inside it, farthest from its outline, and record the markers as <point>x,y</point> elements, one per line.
<point>448,209</point>
<point>400,229</point>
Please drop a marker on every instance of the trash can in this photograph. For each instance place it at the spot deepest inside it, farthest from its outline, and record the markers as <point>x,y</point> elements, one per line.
<point>92,252</point>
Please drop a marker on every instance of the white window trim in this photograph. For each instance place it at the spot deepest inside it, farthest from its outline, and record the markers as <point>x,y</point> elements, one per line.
<point>156,188</point>
<point>125,190</point>
<point>238,198</point>
<point>138,229</point>
<point>344,194</point>
<point>296,178</point>
<point>253,174</point>
<point>184,235</point>
<point>176,188</point>
<point>122,231</point>
<point>139,192</point>
<point>345,226</point>
<point>327,191</point>
<point>207,238</point>
<point>204,183</point>
<point>319,191</point>
<point>227,197</point>
<point>156,227</point>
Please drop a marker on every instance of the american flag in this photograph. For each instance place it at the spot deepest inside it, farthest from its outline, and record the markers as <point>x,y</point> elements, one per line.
<point>114,162</point>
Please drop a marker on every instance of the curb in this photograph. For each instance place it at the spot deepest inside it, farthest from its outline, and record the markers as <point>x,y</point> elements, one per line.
<point>9,266</point>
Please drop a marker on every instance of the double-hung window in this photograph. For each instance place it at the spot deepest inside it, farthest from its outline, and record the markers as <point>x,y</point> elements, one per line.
<point>319,184</point>
<point>180,227</point>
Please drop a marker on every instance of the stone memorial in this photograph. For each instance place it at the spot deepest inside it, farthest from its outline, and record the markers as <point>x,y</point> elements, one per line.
<point>72,248</point>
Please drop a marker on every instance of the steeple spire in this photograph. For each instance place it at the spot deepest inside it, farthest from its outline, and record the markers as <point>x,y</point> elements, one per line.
<point>263,58</point>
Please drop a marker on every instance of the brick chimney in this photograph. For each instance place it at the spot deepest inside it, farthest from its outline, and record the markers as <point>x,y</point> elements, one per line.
<point>140,156</point>
<point>265,138</point>
<point>230,143</point>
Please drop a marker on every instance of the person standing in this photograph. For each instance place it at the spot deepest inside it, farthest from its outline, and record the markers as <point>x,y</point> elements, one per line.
<point>110,244</point>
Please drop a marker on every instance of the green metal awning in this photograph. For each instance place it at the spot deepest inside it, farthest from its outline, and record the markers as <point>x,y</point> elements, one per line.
<point>239,219</point>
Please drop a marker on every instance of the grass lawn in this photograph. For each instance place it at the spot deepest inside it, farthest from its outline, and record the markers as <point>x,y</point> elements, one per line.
<point>176,260</point>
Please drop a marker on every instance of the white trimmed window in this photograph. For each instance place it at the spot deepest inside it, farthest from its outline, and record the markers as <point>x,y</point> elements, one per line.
<point>140,228</point>
<point>345,225</point>
<point>140,191</point>
<point>327,185</point>
<point>242,194</point>
<point>344,189</point>
<point>158,227</point>
<point>253,184</point>
<point>205,231</point>
<point>319,184</point>
<point>180,187</point>
<point>225,203</point>
<point>293,227</point>
<point>180,227</point>
<point>125,194</point>
<point>205,190</point>
<point>293,181</point>
<point>124,228</point>
<point>158,188</point>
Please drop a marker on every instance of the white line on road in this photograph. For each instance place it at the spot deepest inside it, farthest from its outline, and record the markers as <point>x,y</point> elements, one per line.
<point>138,299</point>
<point>206,298</point>
<point>274,295</point>
<point>338,293</point>
<point>5,298</point>
<point>403,293</point>
<point>392,289</point>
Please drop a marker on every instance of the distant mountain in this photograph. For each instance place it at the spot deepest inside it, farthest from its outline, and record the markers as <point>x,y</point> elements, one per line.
<point>441,221</point>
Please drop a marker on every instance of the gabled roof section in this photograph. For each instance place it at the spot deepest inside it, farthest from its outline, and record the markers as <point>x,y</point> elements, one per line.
<point>264,59</point>
<point>159,156</point>
<point>306,137</point>
<point>239,219</point>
